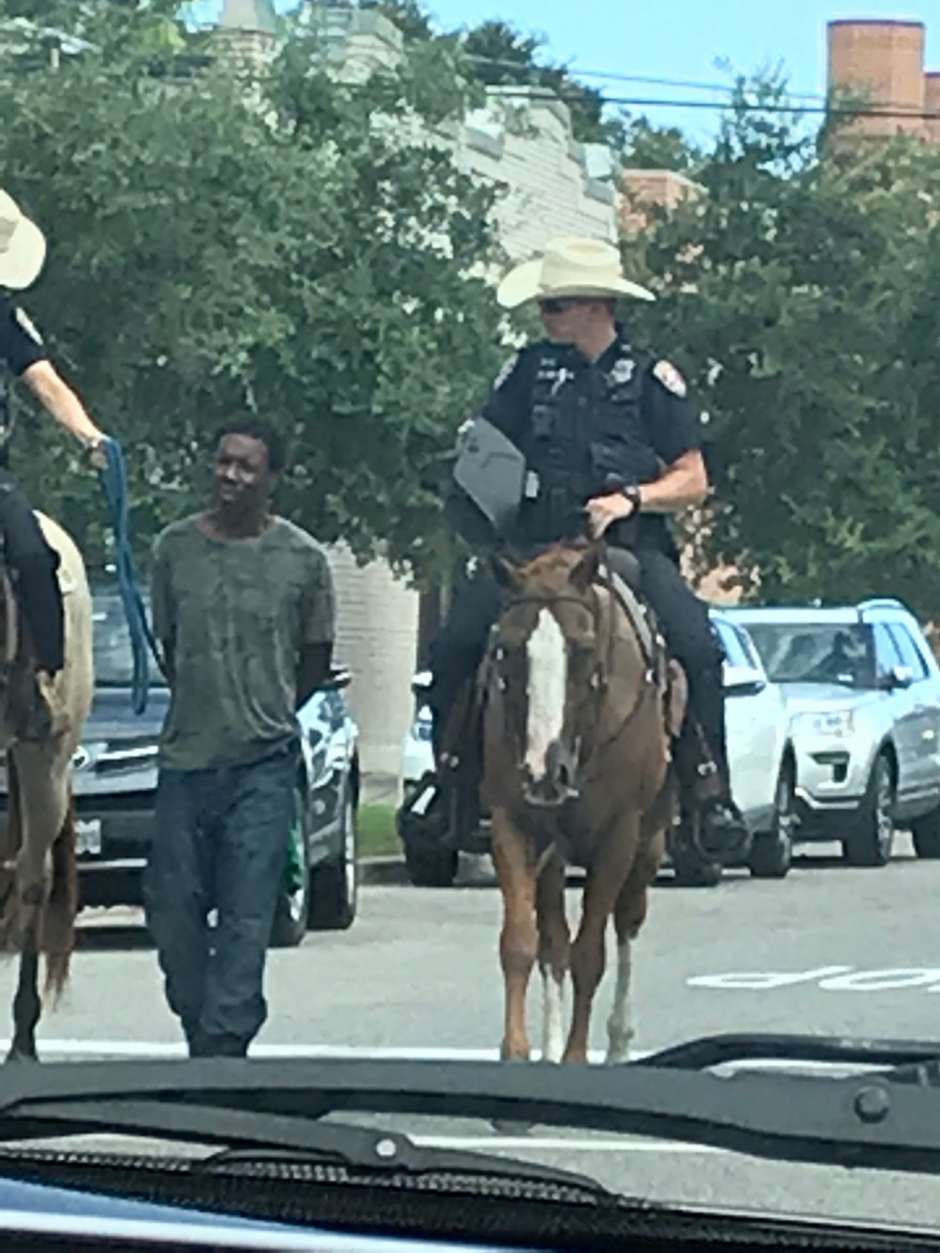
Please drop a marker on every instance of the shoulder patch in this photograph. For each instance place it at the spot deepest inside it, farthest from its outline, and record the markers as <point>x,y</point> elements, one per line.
<point>26,324</point>
<point>670,377</point>
<point>508,366</point>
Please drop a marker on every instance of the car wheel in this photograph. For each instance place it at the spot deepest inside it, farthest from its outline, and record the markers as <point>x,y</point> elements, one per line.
<point>430,867</point>
<point>334,885</point>
<point>872,839</point>
<point>690,868</point>
<point>772,851</point>
<point>290,918</point>
<point>926,833</point>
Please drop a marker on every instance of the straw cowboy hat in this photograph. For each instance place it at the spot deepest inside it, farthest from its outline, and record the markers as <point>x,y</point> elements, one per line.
<point>22,246</point>
<point>569,266</point>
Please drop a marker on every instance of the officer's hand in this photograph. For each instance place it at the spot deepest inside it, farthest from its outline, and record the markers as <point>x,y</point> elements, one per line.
<point>604,510</point>
<point>97,455</point>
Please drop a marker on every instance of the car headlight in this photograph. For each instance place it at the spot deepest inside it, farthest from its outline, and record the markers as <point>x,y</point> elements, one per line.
<point>839,723</point>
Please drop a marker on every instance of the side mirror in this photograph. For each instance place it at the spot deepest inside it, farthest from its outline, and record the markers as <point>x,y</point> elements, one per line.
<point>742,680</point>
<point>896,678</point>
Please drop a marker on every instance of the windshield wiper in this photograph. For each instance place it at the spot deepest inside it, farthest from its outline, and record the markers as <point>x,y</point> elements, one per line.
<point>176,1113</point>
<point>888,1119</point>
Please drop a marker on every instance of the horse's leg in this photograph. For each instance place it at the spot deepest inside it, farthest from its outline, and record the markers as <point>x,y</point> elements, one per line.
<point>42,809</point>
<point>27,1007</point>
<point>605,878</point>
<point>629,915</point>
<point>554,955</point>
<point>518,940</point>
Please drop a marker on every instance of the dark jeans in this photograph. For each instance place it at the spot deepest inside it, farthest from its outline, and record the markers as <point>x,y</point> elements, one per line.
<point>220,842</point>
<point>683,619</point>
<point>33,565</point>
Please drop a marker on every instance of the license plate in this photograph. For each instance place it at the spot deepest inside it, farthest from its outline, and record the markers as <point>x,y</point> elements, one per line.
<point>88,837</point>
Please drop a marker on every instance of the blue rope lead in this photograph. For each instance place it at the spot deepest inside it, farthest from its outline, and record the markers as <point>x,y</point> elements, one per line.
<point>113,479</point>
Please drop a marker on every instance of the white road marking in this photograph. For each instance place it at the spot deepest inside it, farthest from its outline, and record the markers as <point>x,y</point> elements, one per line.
<point>827,978</point>
<point>156,1050</point>
<point>548,672</point>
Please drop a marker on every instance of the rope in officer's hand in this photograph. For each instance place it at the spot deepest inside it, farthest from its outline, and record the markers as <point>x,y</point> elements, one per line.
<point>108,457</point>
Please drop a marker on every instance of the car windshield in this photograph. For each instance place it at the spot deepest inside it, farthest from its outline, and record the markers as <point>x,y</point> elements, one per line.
<point>816,652</point>
<point>522,422</point>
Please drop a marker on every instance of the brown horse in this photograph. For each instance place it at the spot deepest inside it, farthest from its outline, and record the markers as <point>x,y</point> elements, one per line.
<point>38,876</point>
<point>581,705</point>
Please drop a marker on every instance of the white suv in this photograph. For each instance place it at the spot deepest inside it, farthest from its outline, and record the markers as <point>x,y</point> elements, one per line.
<point>863,692</point>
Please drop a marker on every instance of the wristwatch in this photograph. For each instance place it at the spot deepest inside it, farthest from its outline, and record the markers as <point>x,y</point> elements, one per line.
<point>633,494</point>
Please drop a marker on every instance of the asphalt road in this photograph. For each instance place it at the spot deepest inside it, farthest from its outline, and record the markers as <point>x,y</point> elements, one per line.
<point>828,950</point>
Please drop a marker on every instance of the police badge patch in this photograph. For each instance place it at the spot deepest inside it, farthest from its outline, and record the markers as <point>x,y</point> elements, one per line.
<point>27,325</point>
<point>670,377</point>
<point>623,370</point>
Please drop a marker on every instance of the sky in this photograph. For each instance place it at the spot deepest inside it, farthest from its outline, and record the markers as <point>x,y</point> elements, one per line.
<point>678,39</point>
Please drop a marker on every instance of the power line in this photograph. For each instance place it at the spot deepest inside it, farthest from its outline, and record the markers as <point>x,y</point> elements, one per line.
<point>612,76</point>
<point>737,105</point>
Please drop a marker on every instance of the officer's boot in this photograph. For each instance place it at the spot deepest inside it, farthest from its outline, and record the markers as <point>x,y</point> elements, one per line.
<point>425,814</point>
<point>724,833</point>
<point>39,710</point>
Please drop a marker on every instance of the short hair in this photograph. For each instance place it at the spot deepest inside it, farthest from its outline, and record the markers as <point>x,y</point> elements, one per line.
<point>257,428</point>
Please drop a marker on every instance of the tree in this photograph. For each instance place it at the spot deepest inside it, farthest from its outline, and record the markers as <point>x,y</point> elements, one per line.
<point>501,55</point>
<point>647,146</point>
<point>302,247</point>
<point>797,294</point>
<point>408,15</point>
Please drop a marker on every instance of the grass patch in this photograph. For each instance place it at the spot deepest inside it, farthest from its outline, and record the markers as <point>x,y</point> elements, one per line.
<point>377,834</point>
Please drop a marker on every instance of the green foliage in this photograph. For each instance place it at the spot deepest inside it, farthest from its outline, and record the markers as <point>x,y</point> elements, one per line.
<point>293,244</point>
<point>798,293</point>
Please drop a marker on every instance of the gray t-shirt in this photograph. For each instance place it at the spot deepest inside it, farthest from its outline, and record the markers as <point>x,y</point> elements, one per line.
<point>237,613</point>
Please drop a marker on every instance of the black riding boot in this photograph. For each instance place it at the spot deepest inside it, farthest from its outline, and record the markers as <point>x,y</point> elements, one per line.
<point>724,831</point>
<point>40,598</point>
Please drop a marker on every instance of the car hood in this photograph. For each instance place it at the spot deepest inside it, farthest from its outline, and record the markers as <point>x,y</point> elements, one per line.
<point>822,697</point>
<point>112,715</point>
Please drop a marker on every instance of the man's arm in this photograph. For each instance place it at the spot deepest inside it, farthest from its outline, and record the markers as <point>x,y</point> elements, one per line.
<point>58,399</point>
<point>162,608</point>
<point>675,435</point>
<point>22,346</point>
<point>318,617</point>
<point>683,484</point>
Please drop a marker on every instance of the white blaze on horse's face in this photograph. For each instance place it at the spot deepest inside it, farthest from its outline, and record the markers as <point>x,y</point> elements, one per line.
<point>546,688</point>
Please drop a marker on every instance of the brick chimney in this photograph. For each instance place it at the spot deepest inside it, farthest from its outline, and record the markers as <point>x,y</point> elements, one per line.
<point>884,59</point>
<point>932,105</point>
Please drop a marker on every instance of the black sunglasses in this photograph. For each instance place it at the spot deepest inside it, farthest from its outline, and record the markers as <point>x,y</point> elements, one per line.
<point>560,304</point>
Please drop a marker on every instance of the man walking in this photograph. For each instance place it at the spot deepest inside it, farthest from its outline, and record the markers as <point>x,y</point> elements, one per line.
<point>243,607</point>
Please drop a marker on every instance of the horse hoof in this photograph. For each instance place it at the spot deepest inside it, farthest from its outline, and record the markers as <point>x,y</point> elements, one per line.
<point>20,1055</point>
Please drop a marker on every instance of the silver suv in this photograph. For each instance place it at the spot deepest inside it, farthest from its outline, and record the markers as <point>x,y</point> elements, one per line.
<point>862,688</point>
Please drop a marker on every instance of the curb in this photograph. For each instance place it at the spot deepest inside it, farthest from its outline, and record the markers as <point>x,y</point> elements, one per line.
<point>387,871</point>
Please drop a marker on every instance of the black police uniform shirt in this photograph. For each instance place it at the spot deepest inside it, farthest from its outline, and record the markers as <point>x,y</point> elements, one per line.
<point>20,347</point>
<point>561,376</point>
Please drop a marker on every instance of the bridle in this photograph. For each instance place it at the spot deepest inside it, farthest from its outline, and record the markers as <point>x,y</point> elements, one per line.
<point>599,681</point>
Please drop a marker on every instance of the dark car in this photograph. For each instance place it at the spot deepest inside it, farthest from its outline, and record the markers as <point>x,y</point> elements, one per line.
<point>115,779</point>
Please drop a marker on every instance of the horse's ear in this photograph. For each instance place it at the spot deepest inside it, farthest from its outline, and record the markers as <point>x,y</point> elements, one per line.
<point>585,572</point>
<point>504,571</point>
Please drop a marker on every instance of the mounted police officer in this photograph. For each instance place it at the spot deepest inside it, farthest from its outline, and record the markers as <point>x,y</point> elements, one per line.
<point>609,438</point>
<point>32,562</point>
